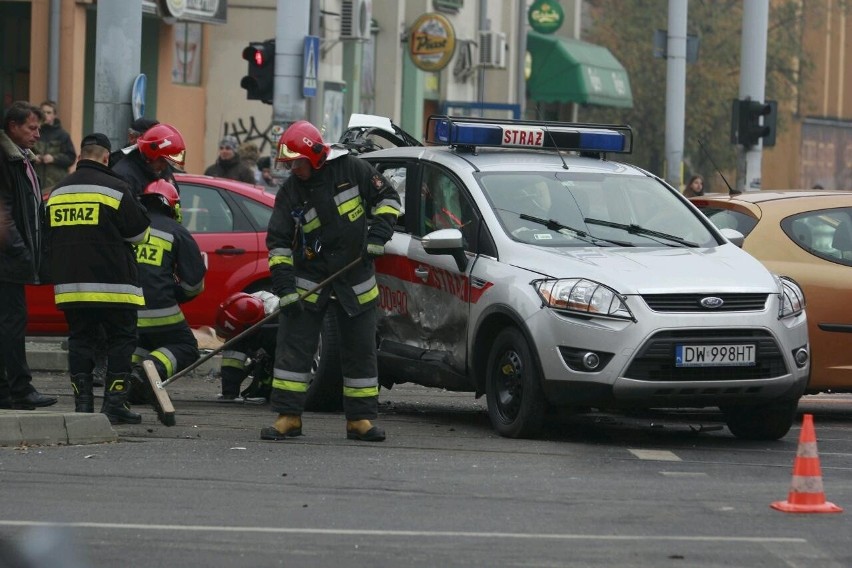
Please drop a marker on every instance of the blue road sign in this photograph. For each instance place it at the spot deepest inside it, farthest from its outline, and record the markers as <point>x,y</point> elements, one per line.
<point>310,66</point>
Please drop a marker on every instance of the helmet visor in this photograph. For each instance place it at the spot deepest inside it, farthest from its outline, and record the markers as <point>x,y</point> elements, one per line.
<point>285,154</point>
<point>176,159</point>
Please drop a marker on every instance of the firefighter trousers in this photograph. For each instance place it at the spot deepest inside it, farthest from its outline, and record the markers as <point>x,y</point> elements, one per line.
<point>84,337</point>
<point>171,350</point>
<point>298,337</point>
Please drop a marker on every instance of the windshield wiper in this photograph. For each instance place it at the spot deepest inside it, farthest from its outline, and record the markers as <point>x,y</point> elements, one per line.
<point>634,229</point>
<point>554,225</point>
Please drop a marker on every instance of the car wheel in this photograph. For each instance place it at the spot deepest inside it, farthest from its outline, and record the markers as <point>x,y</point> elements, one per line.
<point>325,393</point>
<point>516,403</point>
<point>764,422</point>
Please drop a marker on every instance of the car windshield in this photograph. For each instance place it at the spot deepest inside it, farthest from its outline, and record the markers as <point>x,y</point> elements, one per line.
<point>583,209</point>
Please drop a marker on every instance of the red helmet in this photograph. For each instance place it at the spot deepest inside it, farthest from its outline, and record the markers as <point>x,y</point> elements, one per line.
<point>166,193</point>
<point>237,313</point>
<point>162,141</point>
<point>302,140</point>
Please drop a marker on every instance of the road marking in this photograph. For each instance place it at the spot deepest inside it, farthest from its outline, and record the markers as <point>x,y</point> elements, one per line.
<point>381,533</point>
<point>684,473</point>
<point>658,455</point>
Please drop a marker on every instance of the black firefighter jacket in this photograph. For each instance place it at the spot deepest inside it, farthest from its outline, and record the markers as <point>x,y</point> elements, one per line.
<point>93,221</point>
<point>21,218</point>
<point>171,272</point>
<point>320,225</point>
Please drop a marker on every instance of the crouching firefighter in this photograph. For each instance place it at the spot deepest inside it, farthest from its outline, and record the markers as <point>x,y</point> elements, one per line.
<point>171,272</point>
<point>251,356</point>
<point>93,221</point>
<point>333,209</point>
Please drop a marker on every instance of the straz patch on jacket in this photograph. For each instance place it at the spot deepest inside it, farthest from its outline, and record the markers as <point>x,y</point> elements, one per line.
<point>147,253</point>
<point>74,214</point>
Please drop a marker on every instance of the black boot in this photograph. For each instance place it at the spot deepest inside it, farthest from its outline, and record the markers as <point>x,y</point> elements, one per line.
<point>84,399</point>
<point>115,402</point>
<point>138,388</point>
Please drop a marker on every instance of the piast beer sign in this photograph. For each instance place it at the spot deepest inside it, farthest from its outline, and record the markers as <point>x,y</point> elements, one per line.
<point>432,42</point>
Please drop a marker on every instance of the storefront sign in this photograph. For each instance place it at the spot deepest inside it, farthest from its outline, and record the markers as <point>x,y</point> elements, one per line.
<point>545,16</point>
<point>432,42</point>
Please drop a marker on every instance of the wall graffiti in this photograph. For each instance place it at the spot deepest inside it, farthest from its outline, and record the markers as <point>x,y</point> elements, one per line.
<point>247,130</point>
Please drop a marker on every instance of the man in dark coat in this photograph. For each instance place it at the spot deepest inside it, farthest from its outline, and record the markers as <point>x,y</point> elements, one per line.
<point>54,151</point>
<point>228,164</point>
<point>21,214</point>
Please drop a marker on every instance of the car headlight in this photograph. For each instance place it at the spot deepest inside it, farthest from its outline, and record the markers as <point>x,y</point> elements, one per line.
<point>791,296</point>
<point>582,296</point>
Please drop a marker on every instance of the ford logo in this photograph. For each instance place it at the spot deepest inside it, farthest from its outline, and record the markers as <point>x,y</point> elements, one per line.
<point>712,302</point>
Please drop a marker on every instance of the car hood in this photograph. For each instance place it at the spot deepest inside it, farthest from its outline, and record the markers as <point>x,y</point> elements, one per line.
<point>725,268</point>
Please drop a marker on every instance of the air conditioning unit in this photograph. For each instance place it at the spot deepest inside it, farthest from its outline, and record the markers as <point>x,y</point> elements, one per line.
<point>492,49</point>
<point>355,19</point>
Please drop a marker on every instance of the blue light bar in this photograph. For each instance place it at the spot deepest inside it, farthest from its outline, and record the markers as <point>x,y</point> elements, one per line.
<point>594,138</point>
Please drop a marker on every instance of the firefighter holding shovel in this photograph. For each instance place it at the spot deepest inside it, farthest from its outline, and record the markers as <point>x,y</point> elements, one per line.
<point>333,209</point>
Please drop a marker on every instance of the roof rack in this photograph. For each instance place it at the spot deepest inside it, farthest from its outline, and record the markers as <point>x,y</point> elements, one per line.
<point>464,131</point>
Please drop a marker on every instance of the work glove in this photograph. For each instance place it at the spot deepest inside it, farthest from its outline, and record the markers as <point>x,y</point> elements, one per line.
<point>289,304</point>
<point>374,250</point>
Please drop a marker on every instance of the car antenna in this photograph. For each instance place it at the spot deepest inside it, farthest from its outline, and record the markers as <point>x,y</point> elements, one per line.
<point>552,141</point>
<point>731,190</point>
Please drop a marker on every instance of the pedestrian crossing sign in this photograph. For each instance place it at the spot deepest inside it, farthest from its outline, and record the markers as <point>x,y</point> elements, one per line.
<point>311,66</point>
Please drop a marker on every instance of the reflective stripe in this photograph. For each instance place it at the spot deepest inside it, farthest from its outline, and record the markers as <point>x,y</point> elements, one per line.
<point>160,317</point>
<point>161,239</point>
<point>98,292</point>
<point>366,291</point>
<point>140,238</point>
<point>139,354</point>
<point>361,383</point>
<point>312,221</point>
<point>86,194</point>
<point>389,208</point>
<point>303,285</point>
<point>280,256</point>
<point>360,393</point>
<point>167,358</point>
<point>348,206</point>
<point>234,359</point>
<point>345,196</point>
<point>192,289</point>
<point>290,381</point>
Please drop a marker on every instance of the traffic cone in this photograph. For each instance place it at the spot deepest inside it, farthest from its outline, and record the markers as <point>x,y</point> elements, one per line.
<point>806,492</point>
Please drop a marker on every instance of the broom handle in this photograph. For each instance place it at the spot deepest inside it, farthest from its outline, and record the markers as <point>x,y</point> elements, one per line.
<point>254,327</point>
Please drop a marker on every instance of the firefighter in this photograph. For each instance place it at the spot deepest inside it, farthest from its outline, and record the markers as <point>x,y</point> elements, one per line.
<point>333,209</point>
<point>252,355</point>
<point>93,221</point>
<point>159,150</point>
<point>171,272</point>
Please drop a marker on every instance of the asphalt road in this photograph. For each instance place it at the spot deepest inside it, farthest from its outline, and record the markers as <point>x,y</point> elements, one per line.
<point>649,490</point>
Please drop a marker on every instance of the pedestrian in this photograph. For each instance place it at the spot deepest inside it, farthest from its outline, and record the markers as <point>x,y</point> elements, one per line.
<point>54,150</point>
<point>334,209</point>
<point>158,151</point>
<point>267,182</point>
<point>249,154</point>
<point>251,356</point>
<point>137,128</point>
<point>228,164</point>
<point>171,272</point>
<point>21,215</point>
<point>695,187</point>
<point>94,221</point>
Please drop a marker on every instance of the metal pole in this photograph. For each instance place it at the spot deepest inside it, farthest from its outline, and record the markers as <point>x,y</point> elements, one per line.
<point>675,91</point>
<point>521,58</point>
<point>292,24</point>
<point>118,53</point>
<point>752,85</point>
<point>53,51</point>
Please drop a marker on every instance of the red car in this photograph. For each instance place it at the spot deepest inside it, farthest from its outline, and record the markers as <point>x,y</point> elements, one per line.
<point>228,220</point>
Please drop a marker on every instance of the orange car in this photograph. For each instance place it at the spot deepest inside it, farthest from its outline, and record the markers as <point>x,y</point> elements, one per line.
<point>806,235</point>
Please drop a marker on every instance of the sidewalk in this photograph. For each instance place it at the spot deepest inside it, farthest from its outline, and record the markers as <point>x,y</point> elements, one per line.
<point>51,427</point>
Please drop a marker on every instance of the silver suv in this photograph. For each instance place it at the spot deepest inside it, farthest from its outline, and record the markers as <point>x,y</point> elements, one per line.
<point>530,268</point>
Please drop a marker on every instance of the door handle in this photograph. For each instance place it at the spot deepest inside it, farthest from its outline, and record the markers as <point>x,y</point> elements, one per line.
<point>230,251</point>
<point>421,273</point>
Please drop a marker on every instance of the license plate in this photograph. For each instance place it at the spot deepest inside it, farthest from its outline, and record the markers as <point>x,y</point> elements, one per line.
<point>740,355</point>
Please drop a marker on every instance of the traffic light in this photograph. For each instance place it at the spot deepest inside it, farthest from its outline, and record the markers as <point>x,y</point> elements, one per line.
<point>260,81</point>
<point>746,128</point>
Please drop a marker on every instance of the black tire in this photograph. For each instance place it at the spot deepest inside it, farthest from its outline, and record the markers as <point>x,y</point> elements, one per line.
<point>516,403</point>
<point>763,422</point>
<point>325,393</point>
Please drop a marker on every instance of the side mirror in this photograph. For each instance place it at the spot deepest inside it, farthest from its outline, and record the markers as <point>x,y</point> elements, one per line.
<point>446,241</point>
<point>734,236</point>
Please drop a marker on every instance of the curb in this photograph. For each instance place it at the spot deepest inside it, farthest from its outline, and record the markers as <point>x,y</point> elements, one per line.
<point>43,428</point>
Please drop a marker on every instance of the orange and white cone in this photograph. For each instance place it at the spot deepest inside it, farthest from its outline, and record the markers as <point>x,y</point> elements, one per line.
<point>806,492</point>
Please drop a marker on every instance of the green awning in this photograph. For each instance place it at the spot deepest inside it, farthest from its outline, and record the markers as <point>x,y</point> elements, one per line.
<point>573,71</point>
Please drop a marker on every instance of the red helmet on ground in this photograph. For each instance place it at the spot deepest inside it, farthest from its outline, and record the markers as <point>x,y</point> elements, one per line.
<point>303,140</point>
<point>237,313</point>
<point>166,193</point>
<point>162,141</point>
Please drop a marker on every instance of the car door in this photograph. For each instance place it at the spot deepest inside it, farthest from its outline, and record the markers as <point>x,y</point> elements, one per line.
<point>231,241</point>
<point>424,304</point>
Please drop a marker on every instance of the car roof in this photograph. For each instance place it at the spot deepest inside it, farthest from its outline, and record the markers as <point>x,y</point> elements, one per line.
<point>766,195</point>
<point>252,191</point>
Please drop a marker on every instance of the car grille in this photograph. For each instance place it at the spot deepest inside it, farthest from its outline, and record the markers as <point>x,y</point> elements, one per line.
<point>656,359</point>
<point>692,302</point>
